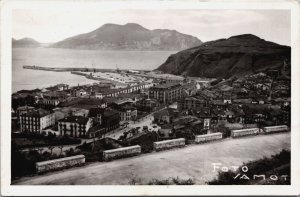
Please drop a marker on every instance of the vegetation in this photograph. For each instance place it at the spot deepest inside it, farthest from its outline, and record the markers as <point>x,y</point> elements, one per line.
<point>134,180</point>
<point>23,163</point>
<point>30,140</point>
<point>276,166</point>
<point>93,151</point>
<point>145,141</point>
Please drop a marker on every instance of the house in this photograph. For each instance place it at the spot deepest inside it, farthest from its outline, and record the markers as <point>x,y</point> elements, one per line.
<point>58,87</point>
<point>206,115</point>
<point>255,113</point>
<point>81,91</point>
<point>165,115</point>
<point>189,89</point>
<point>53,98</point>
<point>166,132</point>
<point>35,121</point>
<point>108,119</point>
<point>62,86</point>
<point>219,104</point>
<point>96,114</point>
<point>127,113</point>
<point>95,131</point>
<point>74,126</point>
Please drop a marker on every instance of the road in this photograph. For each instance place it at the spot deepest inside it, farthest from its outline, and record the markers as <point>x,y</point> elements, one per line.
<point>193,161</point>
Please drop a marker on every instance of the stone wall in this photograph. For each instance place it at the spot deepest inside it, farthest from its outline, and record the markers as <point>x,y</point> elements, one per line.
<point>168,144</point>
<point>275,129</point>
<point>118,153</point>
<point>244,132</point>
<point>58,164</point>
<point>208,137</point>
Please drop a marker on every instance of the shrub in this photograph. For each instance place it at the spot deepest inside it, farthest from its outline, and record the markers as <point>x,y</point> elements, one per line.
<point>172,181</point>
<point>278,165</point>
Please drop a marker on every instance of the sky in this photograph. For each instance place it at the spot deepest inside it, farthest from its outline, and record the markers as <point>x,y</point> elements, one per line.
<point>51,26</point>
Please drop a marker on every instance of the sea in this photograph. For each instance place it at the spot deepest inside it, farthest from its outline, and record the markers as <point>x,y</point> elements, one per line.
<point>27,79</point>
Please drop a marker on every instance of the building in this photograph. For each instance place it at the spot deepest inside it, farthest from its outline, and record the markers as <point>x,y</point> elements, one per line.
<point>74,126</point>
<point>106,118</point>
<point>147,104</point>
<point>110,120</point>
<point>192,103</point>
<point>24,109</point>
<point>35,121</point>
<point>58,87</point>
<point>127,113</point>
<point>189,89</point>
<point>53,98</point>
<point>96,114</point>
<point>166,93</point>
<point>165,116</point>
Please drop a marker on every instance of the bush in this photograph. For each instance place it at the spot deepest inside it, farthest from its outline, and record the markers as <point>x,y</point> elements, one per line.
<point>172,181</point>
<point>32,140</point>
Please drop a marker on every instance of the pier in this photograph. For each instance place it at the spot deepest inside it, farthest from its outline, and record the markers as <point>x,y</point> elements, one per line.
<point>80,69</point>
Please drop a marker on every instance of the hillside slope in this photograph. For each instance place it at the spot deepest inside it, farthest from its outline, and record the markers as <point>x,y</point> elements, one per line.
<point>235,56</point>
<point>25,43</point>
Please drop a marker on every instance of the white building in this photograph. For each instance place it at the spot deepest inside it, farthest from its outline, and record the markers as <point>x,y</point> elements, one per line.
<point>36,121</point>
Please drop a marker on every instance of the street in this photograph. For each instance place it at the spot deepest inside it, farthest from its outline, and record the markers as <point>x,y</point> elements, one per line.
<point>193,161</point>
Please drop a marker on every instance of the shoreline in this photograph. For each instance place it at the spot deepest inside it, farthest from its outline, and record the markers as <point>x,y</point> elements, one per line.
<point>80,69</point>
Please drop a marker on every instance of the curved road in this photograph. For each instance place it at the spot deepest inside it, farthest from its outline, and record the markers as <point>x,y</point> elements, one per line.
<point>194,161</point>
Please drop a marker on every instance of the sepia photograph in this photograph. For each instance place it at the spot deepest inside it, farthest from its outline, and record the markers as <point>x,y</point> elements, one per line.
<point>108,94</point>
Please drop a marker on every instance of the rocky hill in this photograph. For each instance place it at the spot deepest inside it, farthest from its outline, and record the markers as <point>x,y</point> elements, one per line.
<point>129,37</point>
<point>235,56</point>
<point>25,43</point>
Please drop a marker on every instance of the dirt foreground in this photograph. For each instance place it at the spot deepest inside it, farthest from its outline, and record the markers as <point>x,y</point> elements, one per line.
<point>193,161</point>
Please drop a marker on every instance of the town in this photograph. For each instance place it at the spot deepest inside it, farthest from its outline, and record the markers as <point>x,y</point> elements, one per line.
<point>126,113</point>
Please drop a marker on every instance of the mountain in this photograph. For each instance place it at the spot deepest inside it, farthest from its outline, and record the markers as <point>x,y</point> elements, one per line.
<point>129,37</point>
<point>235,56</point>
<point>25,43</point>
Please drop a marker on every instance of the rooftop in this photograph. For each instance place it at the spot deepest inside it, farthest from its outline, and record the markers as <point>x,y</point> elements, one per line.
<point>75,119</point>
<point>166,85</point>
<point>38,113</point>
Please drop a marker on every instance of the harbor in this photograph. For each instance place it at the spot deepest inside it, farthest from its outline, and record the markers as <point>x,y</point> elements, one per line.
<point>80,69</point>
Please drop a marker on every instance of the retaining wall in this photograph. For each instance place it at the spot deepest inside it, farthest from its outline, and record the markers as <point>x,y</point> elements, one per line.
<point>244,132</point>
<point>117,153</point>
<point>275,129</point>
<point>208,137</point>
<point>168,144</point>
<point>58,164</point>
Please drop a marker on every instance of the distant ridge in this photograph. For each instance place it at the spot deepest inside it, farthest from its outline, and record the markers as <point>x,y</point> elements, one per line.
<point>25,43</point>
<point>130,36</point>
<point>236,56</point>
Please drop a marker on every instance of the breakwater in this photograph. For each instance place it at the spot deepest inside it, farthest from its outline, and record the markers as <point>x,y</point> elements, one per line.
<point>68,69</point>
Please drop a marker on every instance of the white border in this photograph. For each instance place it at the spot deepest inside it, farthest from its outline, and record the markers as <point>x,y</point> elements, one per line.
<point>7,189</point>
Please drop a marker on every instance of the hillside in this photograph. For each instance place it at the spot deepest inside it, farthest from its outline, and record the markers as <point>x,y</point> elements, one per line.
<point>25,43</point>
<point>130,36</point>
<point>235,56</point>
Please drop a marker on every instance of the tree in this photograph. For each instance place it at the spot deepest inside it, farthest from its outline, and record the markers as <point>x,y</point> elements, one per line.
<point>61,150</point>
<point>40,150</point>
<point>51,148</point>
